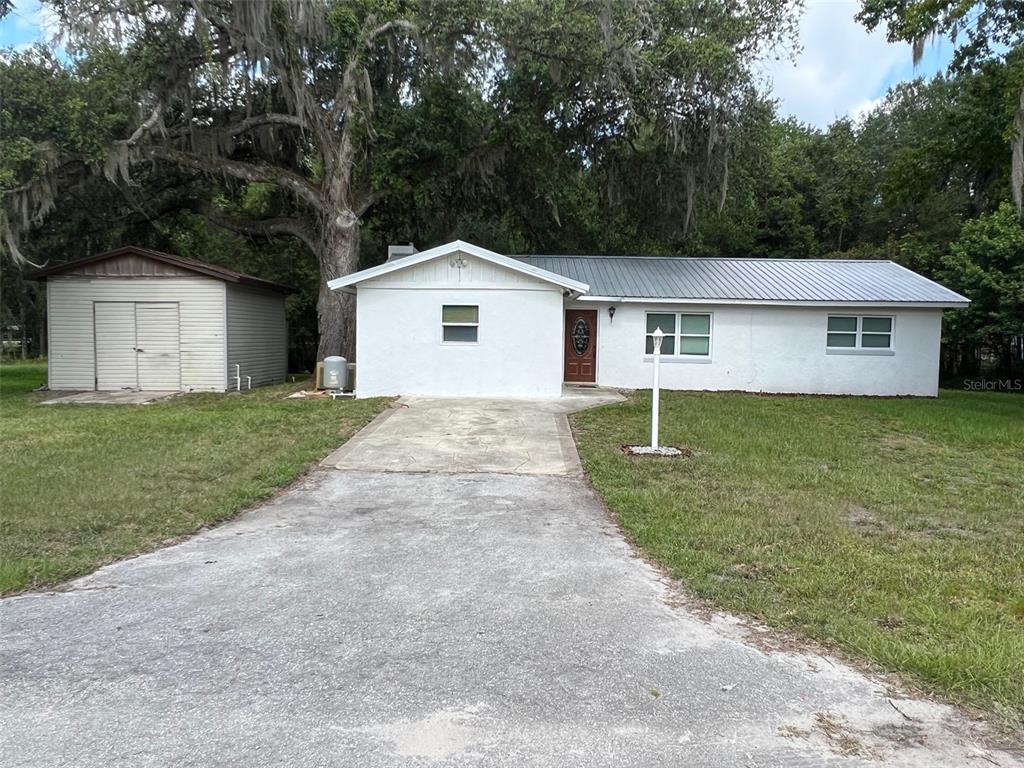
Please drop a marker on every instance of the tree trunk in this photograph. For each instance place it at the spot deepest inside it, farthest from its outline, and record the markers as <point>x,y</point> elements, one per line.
<point>336,310</point>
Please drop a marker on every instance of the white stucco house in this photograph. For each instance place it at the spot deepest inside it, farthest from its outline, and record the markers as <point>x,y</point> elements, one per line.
<point>460,320</point>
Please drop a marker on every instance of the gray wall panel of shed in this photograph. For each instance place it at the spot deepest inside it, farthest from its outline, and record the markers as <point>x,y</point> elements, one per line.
<point>71,352</point>
<point>257,335</point>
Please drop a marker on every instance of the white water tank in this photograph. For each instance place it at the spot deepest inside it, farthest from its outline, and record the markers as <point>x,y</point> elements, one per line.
<point>335,372</point>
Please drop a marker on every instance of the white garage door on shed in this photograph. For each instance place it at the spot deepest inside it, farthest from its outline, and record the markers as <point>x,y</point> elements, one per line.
<point>138,345</point>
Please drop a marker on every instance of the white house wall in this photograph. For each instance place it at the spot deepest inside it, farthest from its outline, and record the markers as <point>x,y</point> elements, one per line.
<point>772,349</point>
<point>257,335</point>
<point>399,348</point>
<point>70,316</point>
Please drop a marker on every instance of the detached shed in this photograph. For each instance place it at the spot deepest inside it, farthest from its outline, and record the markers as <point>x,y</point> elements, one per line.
<point>133,318</point>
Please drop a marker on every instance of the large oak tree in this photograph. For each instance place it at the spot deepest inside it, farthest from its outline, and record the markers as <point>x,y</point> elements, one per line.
<point>291,93</point>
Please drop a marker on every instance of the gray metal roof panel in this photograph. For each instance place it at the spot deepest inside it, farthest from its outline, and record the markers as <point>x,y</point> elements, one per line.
<point>725,279</point>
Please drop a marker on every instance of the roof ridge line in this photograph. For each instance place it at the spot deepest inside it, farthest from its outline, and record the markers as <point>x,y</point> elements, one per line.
<point>698,258</point>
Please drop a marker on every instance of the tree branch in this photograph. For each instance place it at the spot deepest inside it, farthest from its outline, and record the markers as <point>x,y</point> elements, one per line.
<point>253,172</point>
<point>281,225</point>
<point>342,99</point>
<point>146,126</point>
<point>269,118</point>
<point>367,201</point>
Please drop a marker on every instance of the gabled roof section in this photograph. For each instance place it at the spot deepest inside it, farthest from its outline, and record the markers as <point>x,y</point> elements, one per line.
<point>750,281</point>
<point>179,262</point>
<point>459,246</point>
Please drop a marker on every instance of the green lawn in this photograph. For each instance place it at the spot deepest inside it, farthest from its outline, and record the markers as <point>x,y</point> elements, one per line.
<point>82,485</point>
<point>892,529</point>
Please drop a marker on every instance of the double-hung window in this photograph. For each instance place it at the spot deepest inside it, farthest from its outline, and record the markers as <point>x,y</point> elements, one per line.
<point>687,334</point>
<point>859,332</point>
<point>460,323</point>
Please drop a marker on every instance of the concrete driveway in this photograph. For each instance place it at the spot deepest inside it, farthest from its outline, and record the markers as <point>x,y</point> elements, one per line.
<point>419,618</point>
<point>425,434</point>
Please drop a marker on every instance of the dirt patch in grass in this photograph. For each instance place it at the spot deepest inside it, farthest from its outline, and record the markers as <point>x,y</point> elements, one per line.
<point>898,442</point>
<point>861,519</point>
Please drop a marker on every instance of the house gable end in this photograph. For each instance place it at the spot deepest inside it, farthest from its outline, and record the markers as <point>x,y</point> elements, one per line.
<point>451,252</point>
<point>458,270</point>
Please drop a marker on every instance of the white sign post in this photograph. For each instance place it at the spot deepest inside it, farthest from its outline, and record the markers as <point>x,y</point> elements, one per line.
<point>656,389</point>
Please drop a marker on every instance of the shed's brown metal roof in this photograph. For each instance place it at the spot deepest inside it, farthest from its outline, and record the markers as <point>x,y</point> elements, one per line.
<point>209,270</point>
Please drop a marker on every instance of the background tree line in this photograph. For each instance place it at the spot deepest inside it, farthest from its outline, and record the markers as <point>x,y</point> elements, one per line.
<point>527,127</point>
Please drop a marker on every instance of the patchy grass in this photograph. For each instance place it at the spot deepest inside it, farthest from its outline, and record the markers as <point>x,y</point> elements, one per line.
<point>81,485</point>
<point>890,528</point>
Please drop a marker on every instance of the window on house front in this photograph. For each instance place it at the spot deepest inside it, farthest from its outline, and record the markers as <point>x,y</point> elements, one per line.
<point>859,332</point>
<point>460,323</point>
<point>687,334</point>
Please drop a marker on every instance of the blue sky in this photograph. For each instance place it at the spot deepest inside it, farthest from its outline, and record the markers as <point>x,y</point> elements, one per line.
<point>25,25</point>
<point>841,70</point>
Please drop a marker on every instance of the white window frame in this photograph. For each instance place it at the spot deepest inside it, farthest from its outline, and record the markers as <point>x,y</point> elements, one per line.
<point>460,325</point>
<point>677,355</point>
<point>859,348</point>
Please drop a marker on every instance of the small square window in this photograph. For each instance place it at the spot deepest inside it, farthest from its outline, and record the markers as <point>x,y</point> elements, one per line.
<point>460,323</point>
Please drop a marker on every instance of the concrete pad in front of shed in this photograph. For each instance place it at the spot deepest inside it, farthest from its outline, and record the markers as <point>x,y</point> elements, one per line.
<point>421,434</point>
<point>114,397</point>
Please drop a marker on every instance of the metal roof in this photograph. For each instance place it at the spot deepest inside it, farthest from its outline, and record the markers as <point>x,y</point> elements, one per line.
<point>210,270</point>
<point>827,281</point>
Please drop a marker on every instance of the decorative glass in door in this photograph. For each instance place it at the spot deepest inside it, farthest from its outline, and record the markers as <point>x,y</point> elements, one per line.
<point>580,336</point>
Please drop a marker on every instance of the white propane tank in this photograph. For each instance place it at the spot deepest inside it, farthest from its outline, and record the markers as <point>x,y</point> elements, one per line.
<point>335,372</point>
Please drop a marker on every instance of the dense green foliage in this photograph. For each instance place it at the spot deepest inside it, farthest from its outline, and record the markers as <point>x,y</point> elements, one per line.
<point>538,143</point>
<point>986,263</point>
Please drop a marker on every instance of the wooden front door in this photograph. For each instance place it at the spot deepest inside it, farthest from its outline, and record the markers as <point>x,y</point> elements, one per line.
<point>581,345</point>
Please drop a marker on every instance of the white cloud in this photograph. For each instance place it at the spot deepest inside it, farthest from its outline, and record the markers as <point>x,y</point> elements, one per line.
<point>860,111</point>
<point>842,70</point>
